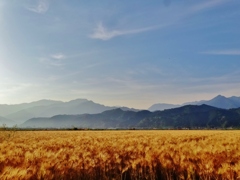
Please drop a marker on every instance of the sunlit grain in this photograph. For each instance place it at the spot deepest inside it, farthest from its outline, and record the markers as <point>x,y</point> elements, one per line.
<point>120,155</point>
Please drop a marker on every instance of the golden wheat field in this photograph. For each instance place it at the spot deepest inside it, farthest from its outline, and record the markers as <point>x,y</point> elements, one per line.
<point>120,155</point>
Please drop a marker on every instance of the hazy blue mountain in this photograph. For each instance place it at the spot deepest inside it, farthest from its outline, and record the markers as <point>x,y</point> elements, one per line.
<point>222,102</point>
<point>47,108</point>
<point>6,109</point>
<point>72,107</point>
<point>218,101</point>
<point>189,116</point>
<point>235,99</point>
<point>162,106</point>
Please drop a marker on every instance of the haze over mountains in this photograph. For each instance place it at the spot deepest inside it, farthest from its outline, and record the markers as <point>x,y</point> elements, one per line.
<point>20,113</point>
<point>8,122</point>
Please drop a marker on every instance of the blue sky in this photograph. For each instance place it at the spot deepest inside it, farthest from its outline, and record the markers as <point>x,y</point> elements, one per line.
<point>129,53</point>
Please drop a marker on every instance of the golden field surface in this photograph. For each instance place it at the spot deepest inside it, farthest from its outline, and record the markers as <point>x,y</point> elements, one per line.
<point>120,154</point>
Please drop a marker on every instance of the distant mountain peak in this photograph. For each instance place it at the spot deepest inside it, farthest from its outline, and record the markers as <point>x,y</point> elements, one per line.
<point>220,96</point>
<point>234,97</point>
<point>79,100</point>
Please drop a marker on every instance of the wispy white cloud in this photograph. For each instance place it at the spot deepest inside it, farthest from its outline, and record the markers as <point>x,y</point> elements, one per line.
<point>58,56</point>
<point>230,52</point>
<point>53,60</point>
<point>206,5</point>
<point>50,62</point>
<point>103,33</point>
<point>41,7</point>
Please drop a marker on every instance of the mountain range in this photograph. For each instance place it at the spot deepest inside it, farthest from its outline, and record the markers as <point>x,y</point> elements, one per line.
<point>188,116</point>
<point>20,113</point>
<point>218,101</point>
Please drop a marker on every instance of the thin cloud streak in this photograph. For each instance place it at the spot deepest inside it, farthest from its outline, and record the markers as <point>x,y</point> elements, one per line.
<point>103,33</point>
<point>41,7</point>
<point>230,52</point>
<point>51,62</point>
<point>58,56</point>
<point>207,5</point>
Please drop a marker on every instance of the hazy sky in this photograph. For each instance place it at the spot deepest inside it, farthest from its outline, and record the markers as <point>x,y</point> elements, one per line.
<point>130,53</point>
